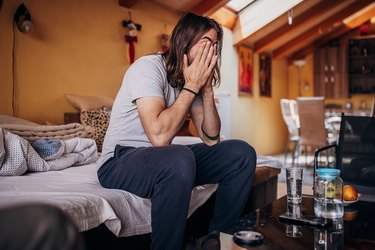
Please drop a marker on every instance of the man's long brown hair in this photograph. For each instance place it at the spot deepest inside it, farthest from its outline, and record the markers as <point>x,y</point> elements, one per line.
<point>188,31</point>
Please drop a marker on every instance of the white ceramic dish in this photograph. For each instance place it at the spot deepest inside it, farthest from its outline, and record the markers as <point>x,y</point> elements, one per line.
<point>347,203</point>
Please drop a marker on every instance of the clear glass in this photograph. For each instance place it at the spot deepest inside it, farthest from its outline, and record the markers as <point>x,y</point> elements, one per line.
<point>328,202</point>
<point>294,231</point>
<point>294,185</point>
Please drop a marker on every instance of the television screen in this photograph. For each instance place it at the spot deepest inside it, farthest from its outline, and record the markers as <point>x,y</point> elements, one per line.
<point>356,153</point>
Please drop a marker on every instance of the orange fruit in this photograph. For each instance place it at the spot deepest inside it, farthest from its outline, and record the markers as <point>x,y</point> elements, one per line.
<point>350,193</point>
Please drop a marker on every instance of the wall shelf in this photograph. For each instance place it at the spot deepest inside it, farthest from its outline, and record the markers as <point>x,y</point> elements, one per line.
<point>361,65</point>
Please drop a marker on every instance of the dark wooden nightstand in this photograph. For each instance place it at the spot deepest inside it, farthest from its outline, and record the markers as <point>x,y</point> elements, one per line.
<point>71,117</point>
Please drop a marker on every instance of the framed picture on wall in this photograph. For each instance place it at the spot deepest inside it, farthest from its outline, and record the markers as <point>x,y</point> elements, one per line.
<point>245,74</point>
<point>265,74</point>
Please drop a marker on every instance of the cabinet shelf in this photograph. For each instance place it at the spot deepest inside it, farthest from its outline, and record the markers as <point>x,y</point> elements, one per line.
<point>361,57</point>
<point>361,76</point>
<point>330,71</point>
<point>361,65</point>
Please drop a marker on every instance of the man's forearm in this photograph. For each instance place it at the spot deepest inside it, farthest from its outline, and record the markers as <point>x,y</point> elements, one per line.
<point>171,119</point>
<point>211,120</point>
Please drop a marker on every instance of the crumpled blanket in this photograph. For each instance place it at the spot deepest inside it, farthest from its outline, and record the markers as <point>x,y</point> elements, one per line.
<point>17,156</point>
<point>35,132</point>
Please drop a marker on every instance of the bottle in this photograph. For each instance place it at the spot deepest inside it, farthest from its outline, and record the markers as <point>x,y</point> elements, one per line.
<point>331,238</point>
<point>328,193</point>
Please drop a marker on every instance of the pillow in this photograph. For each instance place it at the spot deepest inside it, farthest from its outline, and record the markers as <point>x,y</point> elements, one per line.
<point>84,102</point>
<point>96,124</point>
<point>6,119</point>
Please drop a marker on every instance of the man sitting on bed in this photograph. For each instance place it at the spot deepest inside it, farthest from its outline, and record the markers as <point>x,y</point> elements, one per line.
<point>157,94</point>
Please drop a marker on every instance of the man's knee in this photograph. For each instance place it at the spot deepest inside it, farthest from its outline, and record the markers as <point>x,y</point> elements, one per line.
<point>181,164</point>
<point>242,151</point>
<point>239,148</point>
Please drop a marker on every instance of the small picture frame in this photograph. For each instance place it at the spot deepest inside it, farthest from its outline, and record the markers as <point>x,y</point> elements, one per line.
<point>245,73</point>
<point>265,74</point>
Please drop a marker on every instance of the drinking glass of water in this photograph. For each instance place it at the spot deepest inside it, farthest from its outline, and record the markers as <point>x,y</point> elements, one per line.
<point>294,210</point>
<point>294,184</point>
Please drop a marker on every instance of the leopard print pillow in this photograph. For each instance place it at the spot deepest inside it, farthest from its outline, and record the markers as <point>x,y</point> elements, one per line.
<point>96,124</point>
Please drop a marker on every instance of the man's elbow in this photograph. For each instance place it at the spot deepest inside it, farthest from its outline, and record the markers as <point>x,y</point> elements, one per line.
<point>211,142</point>
<point>159,140</point>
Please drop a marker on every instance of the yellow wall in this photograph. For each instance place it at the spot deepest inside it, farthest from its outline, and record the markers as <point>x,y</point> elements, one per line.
<point>77,46</point>
<point>270,132</point>
<point>255,119</point>
<point>307,79</point>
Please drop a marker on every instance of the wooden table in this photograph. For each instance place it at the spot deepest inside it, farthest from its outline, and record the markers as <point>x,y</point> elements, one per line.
<point>358,229</point>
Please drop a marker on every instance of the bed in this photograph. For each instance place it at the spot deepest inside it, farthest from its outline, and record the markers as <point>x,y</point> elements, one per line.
<point>76,190</point>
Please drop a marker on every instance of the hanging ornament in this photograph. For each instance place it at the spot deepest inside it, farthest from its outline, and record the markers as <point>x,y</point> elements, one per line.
<point>290,16</point>
<point>132,36</point>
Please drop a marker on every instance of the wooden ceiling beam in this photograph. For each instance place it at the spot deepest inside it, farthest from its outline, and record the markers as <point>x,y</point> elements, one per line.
<point>344,28</point>
<point>302,53</point>
<point>328,25</point>
<point>283,33</point>
<point>207,7</point>
<point>361,16</point>
<point>226,17</point>
<point>127,3</point>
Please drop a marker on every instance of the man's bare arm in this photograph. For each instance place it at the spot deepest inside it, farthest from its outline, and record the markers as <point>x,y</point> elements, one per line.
<point>206,116</point>
<point>161,124</point>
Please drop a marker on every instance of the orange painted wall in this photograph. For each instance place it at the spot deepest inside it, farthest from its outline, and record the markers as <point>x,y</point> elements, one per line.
<point>77,46</point>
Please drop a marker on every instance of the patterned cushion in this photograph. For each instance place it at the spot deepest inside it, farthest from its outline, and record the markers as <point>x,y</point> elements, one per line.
<point>96,124</point>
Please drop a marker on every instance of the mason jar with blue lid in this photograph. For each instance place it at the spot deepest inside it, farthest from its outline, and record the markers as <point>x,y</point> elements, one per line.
<point>328,193</point>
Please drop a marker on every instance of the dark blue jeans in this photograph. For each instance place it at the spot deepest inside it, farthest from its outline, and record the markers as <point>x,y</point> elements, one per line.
<point>168,174</point>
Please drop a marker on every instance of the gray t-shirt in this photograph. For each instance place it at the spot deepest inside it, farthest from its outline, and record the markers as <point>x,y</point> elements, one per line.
<point>145,77</point>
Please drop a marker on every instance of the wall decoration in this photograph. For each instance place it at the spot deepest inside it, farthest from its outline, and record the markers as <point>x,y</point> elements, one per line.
<point>245,74</point>
<point>265,74</point>
<point>132,36</point>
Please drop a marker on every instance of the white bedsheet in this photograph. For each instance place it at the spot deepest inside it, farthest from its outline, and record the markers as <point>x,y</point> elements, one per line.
<point>76,190</point>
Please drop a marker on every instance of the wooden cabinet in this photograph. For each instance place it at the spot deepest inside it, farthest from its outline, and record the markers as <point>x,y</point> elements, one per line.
<point>330,71</point>
<point>361,65</point>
